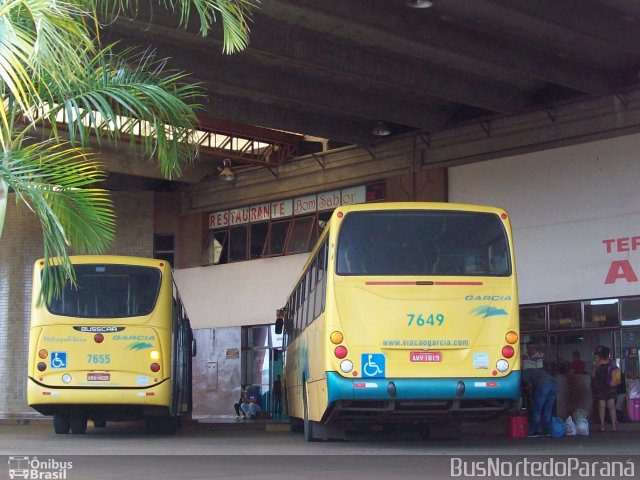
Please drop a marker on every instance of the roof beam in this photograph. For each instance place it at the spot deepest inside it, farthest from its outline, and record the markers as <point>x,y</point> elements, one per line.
<point>424,36</point>
<point>288,118</point>
<point>322,53</point>
<point>591,19</point>
<point>297,87</point>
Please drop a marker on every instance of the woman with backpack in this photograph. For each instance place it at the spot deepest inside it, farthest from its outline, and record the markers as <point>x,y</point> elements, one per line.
<point>604,393</point>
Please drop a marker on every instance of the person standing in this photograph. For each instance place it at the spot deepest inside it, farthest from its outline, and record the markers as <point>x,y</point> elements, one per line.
<point>577,365</point>
<point>277,396</point>
<point>602,392</point>
<point>544,390</point>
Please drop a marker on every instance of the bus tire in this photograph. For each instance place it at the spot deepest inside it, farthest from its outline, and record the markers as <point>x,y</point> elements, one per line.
<point>296,425</point>
<point>152,424</point>
<point>61,424</point>
<point>101,423</point>
<point>78,424</point>
<point>169,425</point>
<point>161,425</point>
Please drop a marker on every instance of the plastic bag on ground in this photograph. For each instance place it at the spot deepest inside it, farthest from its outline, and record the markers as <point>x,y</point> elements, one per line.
<point>558,428</point>
<point>580,414</point>
<point>582,426</point>
<point>570,426</point>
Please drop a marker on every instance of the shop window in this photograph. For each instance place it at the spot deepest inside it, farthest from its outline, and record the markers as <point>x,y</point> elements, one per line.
<point>630,349</point>
<point>562,348</point>
<point>163,248</point>
<point>216,251</point>
<point>323,219</point>
<point>601,314</point>
<point>238,243</point>
<point>259,233</point>
<point>533,318</point>
<point>630,312</point>
<point>376,191</point>
<point>277,237</point>
<point>565,316</point>
<point>300,235</point>
<point>533,351</point>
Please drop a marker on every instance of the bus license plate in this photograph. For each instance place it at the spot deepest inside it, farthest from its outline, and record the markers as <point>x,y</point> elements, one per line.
<point>426,356</point>
<point>98,377</point>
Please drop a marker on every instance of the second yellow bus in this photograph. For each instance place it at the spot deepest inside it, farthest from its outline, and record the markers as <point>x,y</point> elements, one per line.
<point>405,313</point>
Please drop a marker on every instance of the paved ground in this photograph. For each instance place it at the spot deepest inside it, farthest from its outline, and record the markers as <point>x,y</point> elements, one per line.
<point>229,448</point>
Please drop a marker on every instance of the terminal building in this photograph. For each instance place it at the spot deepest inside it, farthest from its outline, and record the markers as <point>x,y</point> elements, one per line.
<point>569,179</point>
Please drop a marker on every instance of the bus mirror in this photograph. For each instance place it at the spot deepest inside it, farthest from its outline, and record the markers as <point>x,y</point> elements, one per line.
<point>194,347</point>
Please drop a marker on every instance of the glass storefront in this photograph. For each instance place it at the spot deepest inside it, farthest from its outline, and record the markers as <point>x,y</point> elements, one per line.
<point>560,331</point>
<point>261,361</point>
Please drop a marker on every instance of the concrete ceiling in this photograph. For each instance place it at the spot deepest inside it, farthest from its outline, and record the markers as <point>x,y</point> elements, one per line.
<point>333,68</point>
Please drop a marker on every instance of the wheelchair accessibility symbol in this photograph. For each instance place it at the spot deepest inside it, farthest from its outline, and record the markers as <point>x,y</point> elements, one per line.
<point>58,359</point>
<point>373,365</point>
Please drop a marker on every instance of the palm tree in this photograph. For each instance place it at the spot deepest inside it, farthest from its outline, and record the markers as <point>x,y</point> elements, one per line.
<point>53,71</point>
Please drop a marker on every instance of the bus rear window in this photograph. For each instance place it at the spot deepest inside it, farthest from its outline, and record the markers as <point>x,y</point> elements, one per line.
<point>423,242</point>
<point>109,291</point>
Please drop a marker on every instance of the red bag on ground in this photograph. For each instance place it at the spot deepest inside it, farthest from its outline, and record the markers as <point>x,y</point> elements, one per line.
<point>516,425</point>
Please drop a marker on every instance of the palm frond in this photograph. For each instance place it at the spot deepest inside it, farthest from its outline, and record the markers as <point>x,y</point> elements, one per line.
<point>136,97</point>
<point>39,36</point>
<point>235,16</point>
<point>53,180</point>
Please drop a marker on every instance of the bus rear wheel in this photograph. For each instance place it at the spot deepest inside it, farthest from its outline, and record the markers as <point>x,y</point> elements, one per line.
<point>162,425</point>
<point>78,424</point>
<point>61,424</point>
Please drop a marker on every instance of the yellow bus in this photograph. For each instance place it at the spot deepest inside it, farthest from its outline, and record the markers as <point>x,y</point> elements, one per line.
<point>116,346</point>
<point>405,313</point>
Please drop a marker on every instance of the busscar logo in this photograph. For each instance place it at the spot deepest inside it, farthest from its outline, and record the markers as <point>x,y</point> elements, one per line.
<point>38,469</point>
<point>98,329</point>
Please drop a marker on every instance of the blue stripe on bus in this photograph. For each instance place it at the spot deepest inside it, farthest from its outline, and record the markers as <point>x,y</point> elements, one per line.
<point>340,388</point>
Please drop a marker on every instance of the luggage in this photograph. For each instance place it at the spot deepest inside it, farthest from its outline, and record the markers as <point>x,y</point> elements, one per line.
<point>634,409</point>
<point>516,425</point>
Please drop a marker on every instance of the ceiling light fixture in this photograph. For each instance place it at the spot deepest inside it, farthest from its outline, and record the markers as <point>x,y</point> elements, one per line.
<point>419,4</point>
<point>381,130</point>
<point>226,174</point>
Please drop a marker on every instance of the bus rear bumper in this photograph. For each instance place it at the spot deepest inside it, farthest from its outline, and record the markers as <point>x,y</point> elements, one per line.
<point>54,400</point>
<point>418,398</point>
<point>340,388</point>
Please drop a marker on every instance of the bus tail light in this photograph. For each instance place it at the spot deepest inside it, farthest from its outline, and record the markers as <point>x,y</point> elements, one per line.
<point>98,338</point>
<point>155,367</point>
<point>346,366</point>
<point>507,351</point>
<point>154,355</point>
<point>43,354</point>
<point>340,351</point>
<point>42,366</point>
<point>502,365</point>
<point>511,338</point>
<point>336,337</point>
